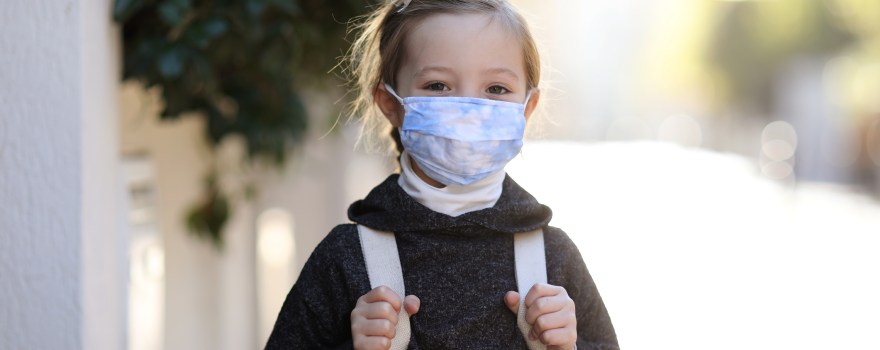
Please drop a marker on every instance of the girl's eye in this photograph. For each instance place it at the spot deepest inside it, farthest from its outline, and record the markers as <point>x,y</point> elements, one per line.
<point>497,90</point>
<point>437,87</point>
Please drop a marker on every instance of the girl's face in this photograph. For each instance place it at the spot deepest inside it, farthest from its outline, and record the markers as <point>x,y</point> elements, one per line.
<point>468,55</point>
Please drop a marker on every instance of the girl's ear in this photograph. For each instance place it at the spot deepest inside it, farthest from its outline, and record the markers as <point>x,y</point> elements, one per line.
<point>389,105</point>
<point>533,102</point>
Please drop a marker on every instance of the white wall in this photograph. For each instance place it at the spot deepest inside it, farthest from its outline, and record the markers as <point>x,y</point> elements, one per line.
<point>40,175</point>
<point>104,241</point>
<point>62,269</point>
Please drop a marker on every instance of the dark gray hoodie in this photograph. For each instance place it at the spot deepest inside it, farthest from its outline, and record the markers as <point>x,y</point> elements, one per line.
<point>459,267</point>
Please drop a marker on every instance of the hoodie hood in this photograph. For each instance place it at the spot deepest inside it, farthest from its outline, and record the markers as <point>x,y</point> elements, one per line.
<point>389,208</point>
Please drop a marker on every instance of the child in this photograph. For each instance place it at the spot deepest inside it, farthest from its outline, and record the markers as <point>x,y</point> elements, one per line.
<point>457,80</point>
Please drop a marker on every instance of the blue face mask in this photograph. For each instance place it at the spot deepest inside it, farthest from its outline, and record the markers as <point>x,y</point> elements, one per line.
<point>461,140</point>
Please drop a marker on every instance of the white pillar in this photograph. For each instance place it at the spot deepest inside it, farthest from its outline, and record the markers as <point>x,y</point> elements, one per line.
<point>39,175</point>
<point>59,228</point>
<point>104,226</point>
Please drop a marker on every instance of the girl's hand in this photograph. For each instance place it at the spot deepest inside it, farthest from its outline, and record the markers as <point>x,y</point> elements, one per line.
<point>550,312</point>
<point>374,318</point>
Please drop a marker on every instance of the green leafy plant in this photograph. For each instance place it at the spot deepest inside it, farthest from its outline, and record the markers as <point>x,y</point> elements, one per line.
<point>239,65</point>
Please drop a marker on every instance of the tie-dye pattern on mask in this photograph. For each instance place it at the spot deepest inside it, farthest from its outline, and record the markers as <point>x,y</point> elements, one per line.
<point>461,140</point>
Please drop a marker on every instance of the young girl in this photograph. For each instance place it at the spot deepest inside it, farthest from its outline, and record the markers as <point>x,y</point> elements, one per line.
<point>456,80</point>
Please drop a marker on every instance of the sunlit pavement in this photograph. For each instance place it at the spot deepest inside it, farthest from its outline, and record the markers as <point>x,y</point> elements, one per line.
<point>693,249</point>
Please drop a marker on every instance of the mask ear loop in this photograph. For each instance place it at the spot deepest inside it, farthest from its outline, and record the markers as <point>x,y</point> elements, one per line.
<point>525,104</point>
<point>391,91</point>
<point>529,96</point>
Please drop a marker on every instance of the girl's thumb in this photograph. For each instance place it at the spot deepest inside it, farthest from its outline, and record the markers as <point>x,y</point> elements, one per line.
<point>411,304</point>
<point>512,301</point>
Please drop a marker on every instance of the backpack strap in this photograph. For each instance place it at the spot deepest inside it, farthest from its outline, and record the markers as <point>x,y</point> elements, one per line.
<point>383,267</point>
<point>531,268</point>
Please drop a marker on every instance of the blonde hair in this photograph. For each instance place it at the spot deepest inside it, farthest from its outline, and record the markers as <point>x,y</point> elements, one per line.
<point>376,54</point>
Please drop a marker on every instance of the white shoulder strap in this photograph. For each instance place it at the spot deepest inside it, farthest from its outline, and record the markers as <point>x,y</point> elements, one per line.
<point>531,268</point>
<point>383,268</point>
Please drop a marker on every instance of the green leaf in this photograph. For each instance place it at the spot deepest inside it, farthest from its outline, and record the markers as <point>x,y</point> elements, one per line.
<point>207,218</point>
<point>202,33</point>
<point>255,7</point>
<point>172,11</point>
<point>171,63</point>
<point>124,9</point>
<point>215,27</point>
<point>289,7</point>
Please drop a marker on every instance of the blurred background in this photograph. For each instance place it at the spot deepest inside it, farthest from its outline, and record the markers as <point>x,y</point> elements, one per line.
<point>167,166</point>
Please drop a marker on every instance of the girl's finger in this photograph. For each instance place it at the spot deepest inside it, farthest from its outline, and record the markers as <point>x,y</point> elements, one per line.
<point>380,327</point>
<point>372,343</point>
<point>551,321</point>
<point>559,337</point>
<point>383,293</point>
<point>412,304</point>
<point>380,310</point>
<point>542,290</point>
<point>511,299</point>
<point>547,305</point>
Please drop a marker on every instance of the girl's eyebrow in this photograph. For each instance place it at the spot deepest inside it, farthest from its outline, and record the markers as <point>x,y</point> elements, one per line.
<point>430,69</point>
<point>440,69</point>
<point>501,70</point>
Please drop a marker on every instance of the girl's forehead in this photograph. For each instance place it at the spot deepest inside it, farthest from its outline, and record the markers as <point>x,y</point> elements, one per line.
<point>463,42</point>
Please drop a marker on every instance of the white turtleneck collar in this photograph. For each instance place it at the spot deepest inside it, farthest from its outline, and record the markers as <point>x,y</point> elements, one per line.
<point>452,200</point>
